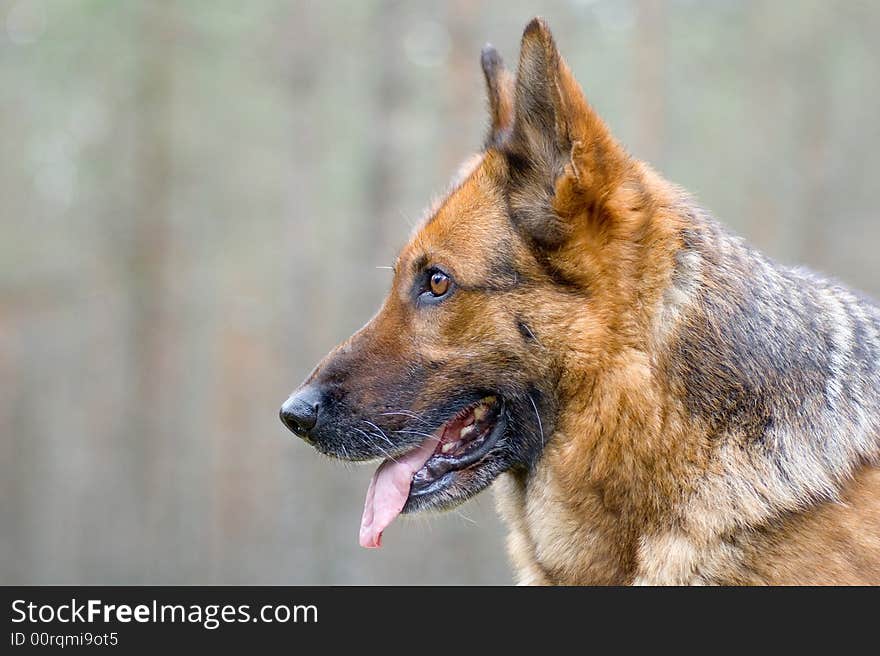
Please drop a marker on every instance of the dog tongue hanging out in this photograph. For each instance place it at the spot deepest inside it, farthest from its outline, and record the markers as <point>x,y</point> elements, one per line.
<point>388,492</point>
<point>658,402</point>
<point>459,442</point>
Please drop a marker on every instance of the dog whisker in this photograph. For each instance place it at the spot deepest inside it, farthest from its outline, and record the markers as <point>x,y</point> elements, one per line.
<point>538,417</point>
<point>371,442</point>
<point>345,463</point>
<point>402,413</point>
<point>465,517</point>
<point>529,331</point>
<point>413,432</point>
<point>386,454</point>
<point>381,432</point>
<point>369,439</point>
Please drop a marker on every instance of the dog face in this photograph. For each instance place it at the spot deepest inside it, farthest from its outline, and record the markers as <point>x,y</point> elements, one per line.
<point>453,355</point>
<point>461,374</point>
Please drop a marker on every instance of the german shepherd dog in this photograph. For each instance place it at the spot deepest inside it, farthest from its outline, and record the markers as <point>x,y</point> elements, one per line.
<point>655,401</point>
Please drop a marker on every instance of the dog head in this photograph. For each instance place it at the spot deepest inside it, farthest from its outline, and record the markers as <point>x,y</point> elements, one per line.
<point>514,288</point>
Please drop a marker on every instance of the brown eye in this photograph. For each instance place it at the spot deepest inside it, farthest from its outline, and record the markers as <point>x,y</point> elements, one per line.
<point>439,283</point>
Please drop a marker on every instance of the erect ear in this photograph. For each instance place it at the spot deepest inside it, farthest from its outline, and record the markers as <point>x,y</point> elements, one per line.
<point>499,87</point>
<point>558,145</point>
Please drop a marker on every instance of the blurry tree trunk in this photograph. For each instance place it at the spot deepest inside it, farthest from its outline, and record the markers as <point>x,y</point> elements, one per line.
<point>15,538</point>
<point>813,81</point>
<point>763,216</point>
<point>650,80</point>
<point>302,217</point>
<point>463,66</point>
<point>385,146</point>
<point>148,263</point>
<point>301,303</point>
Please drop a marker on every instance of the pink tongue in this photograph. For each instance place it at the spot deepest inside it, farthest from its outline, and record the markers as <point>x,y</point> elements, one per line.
<point>388,491</point>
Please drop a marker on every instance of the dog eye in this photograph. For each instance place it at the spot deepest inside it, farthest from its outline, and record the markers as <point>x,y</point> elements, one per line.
<point>433,286</point>
<point>439,283</point>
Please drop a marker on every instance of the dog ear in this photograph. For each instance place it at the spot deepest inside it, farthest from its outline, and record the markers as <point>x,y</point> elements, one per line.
<point>499,88</point>
<point>562,158</point>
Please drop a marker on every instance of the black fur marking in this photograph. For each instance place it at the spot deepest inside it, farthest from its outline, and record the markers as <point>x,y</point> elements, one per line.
<point>727,359</point>
<point>491,61</point>
<point>558,277</point>
<point>419,264</point>
<point>541,249</point>
<point>525,331</point>
<point>504,272</point>
<point>519,166</point>
<point>539,420</point>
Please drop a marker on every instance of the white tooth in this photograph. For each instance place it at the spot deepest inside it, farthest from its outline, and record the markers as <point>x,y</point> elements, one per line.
<point>480,412</point>
<point>467,430</point>
<point>446,448</point>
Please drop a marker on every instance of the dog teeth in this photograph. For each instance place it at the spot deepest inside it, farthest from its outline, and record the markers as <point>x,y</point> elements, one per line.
<point>449,446</point>
<point>467,430</point>
<point>480,412</point>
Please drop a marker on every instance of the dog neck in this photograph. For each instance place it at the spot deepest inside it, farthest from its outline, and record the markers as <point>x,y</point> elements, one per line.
<point>724,405</point>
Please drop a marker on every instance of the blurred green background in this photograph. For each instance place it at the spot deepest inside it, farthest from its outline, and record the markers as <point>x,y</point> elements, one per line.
<point>195,198</point>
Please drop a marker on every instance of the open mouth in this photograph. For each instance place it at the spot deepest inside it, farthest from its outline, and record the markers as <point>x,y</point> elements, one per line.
<point>458,444</point>
<point>464,440</point>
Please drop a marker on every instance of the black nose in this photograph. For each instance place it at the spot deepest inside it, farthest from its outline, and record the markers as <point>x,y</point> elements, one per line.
<point>300,412</point>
